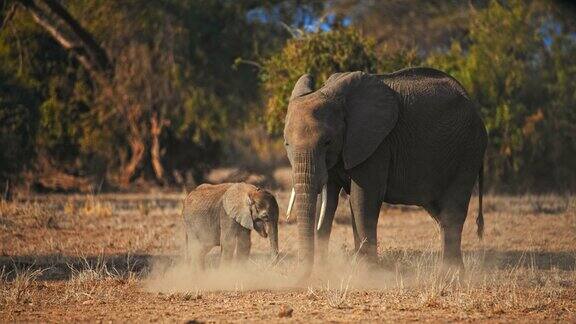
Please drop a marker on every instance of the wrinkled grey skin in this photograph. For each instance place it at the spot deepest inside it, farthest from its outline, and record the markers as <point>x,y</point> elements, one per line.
<point>410,137</point>
<point>224,215</point>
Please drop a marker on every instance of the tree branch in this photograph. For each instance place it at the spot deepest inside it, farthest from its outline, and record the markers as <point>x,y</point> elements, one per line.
<point>9,16</point>
<point>93,48</point>
<point>71,36</point>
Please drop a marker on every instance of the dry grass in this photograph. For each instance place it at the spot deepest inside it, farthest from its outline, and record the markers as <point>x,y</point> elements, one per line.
<point>91,206</point>
<point>17,287</point>
<point>97,281</point>
<point>29,214</point>
<point>78,258</point>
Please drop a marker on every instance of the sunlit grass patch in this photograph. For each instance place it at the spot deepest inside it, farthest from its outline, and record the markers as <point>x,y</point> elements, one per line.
<point>17,287</point>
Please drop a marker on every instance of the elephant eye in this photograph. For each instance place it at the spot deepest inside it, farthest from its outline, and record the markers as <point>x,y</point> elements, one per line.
<point>286,144</point>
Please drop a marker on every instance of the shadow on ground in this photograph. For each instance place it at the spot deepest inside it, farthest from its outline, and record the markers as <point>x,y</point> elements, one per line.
<point>62,267</point>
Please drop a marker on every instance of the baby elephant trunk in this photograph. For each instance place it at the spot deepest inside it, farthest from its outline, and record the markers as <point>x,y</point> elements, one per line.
<point>273,236</point>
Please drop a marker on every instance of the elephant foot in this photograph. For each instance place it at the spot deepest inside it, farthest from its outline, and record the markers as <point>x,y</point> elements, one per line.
<point>366,264</point>
<point>367,255</point>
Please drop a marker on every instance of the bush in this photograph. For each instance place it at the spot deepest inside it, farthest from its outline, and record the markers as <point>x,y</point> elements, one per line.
<point>524,96</point>
<point>321,54</point>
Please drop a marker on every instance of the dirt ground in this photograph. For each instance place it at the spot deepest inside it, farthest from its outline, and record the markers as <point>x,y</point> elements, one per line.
<point>118,258</point>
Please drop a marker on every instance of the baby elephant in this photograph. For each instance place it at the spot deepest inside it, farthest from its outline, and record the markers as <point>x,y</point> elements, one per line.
<point>224,215</point>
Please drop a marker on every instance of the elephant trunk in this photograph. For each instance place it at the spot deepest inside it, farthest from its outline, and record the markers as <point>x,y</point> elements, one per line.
<point>273,236</point>
<point>305,209</point>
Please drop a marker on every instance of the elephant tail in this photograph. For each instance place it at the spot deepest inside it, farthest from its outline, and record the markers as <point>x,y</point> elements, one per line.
<point>480,218</point>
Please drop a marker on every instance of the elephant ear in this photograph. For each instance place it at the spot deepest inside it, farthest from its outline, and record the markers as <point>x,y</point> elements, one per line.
<point>371,113</point>
<point>237,205</point>
<point>303,86</point>
<point>334,77</point>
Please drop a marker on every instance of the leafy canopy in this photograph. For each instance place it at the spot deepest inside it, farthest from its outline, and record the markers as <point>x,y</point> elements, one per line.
<point>320,54</point>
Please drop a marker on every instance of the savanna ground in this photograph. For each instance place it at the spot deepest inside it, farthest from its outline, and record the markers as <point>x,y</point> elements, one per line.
<point>117,257</point>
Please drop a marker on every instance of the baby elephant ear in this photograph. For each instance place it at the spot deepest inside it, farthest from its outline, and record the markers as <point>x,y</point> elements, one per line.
<point>237,205</point>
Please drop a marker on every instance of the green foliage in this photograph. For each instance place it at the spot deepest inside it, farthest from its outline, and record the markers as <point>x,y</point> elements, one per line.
<point>553,140</point>
<point>174,62</point>
<point>398,24</point>
<point>28,56</point>
<point>496,71</point>
<point>505,67</point>
<point>61,115</point>
<point>320,54</point>
<point>390,60</point>
<point>18,118</point>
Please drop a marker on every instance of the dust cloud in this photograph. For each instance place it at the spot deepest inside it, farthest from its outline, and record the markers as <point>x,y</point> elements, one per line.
<point>182,276</point>
<point>342,271</point>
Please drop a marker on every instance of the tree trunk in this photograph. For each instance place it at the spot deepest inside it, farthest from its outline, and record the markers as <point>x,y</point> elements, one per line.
<point>156,126</point>
<point>9,15</point>
<point>137,155</point>
<point>56,20</point>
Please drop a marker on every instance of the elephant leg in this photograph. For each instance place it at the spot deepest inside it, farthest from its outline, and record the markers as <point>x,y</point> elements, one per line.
<point>196,254</point>
<point>354,230</point>
<point>226,254</point>
<point>323,234</point>
<point>365,205</point>
<point>433,210</point>
<point>195,251</point>
<point>243,245</point>
<point>201,257</point>
<point>228,244</point>
<point>368,185</point>
<point>452,215</point>
<point>451,240</point>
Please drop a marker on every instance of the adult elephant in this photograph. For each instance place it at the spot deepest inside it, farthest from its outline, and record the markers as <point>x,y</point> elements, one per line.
<point>410,137</point>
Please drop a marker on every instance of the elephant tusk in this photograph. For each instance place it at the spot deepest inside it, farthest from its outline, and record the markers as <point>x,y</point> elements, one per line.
<point>290,203</point>
<point>323,206</point>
